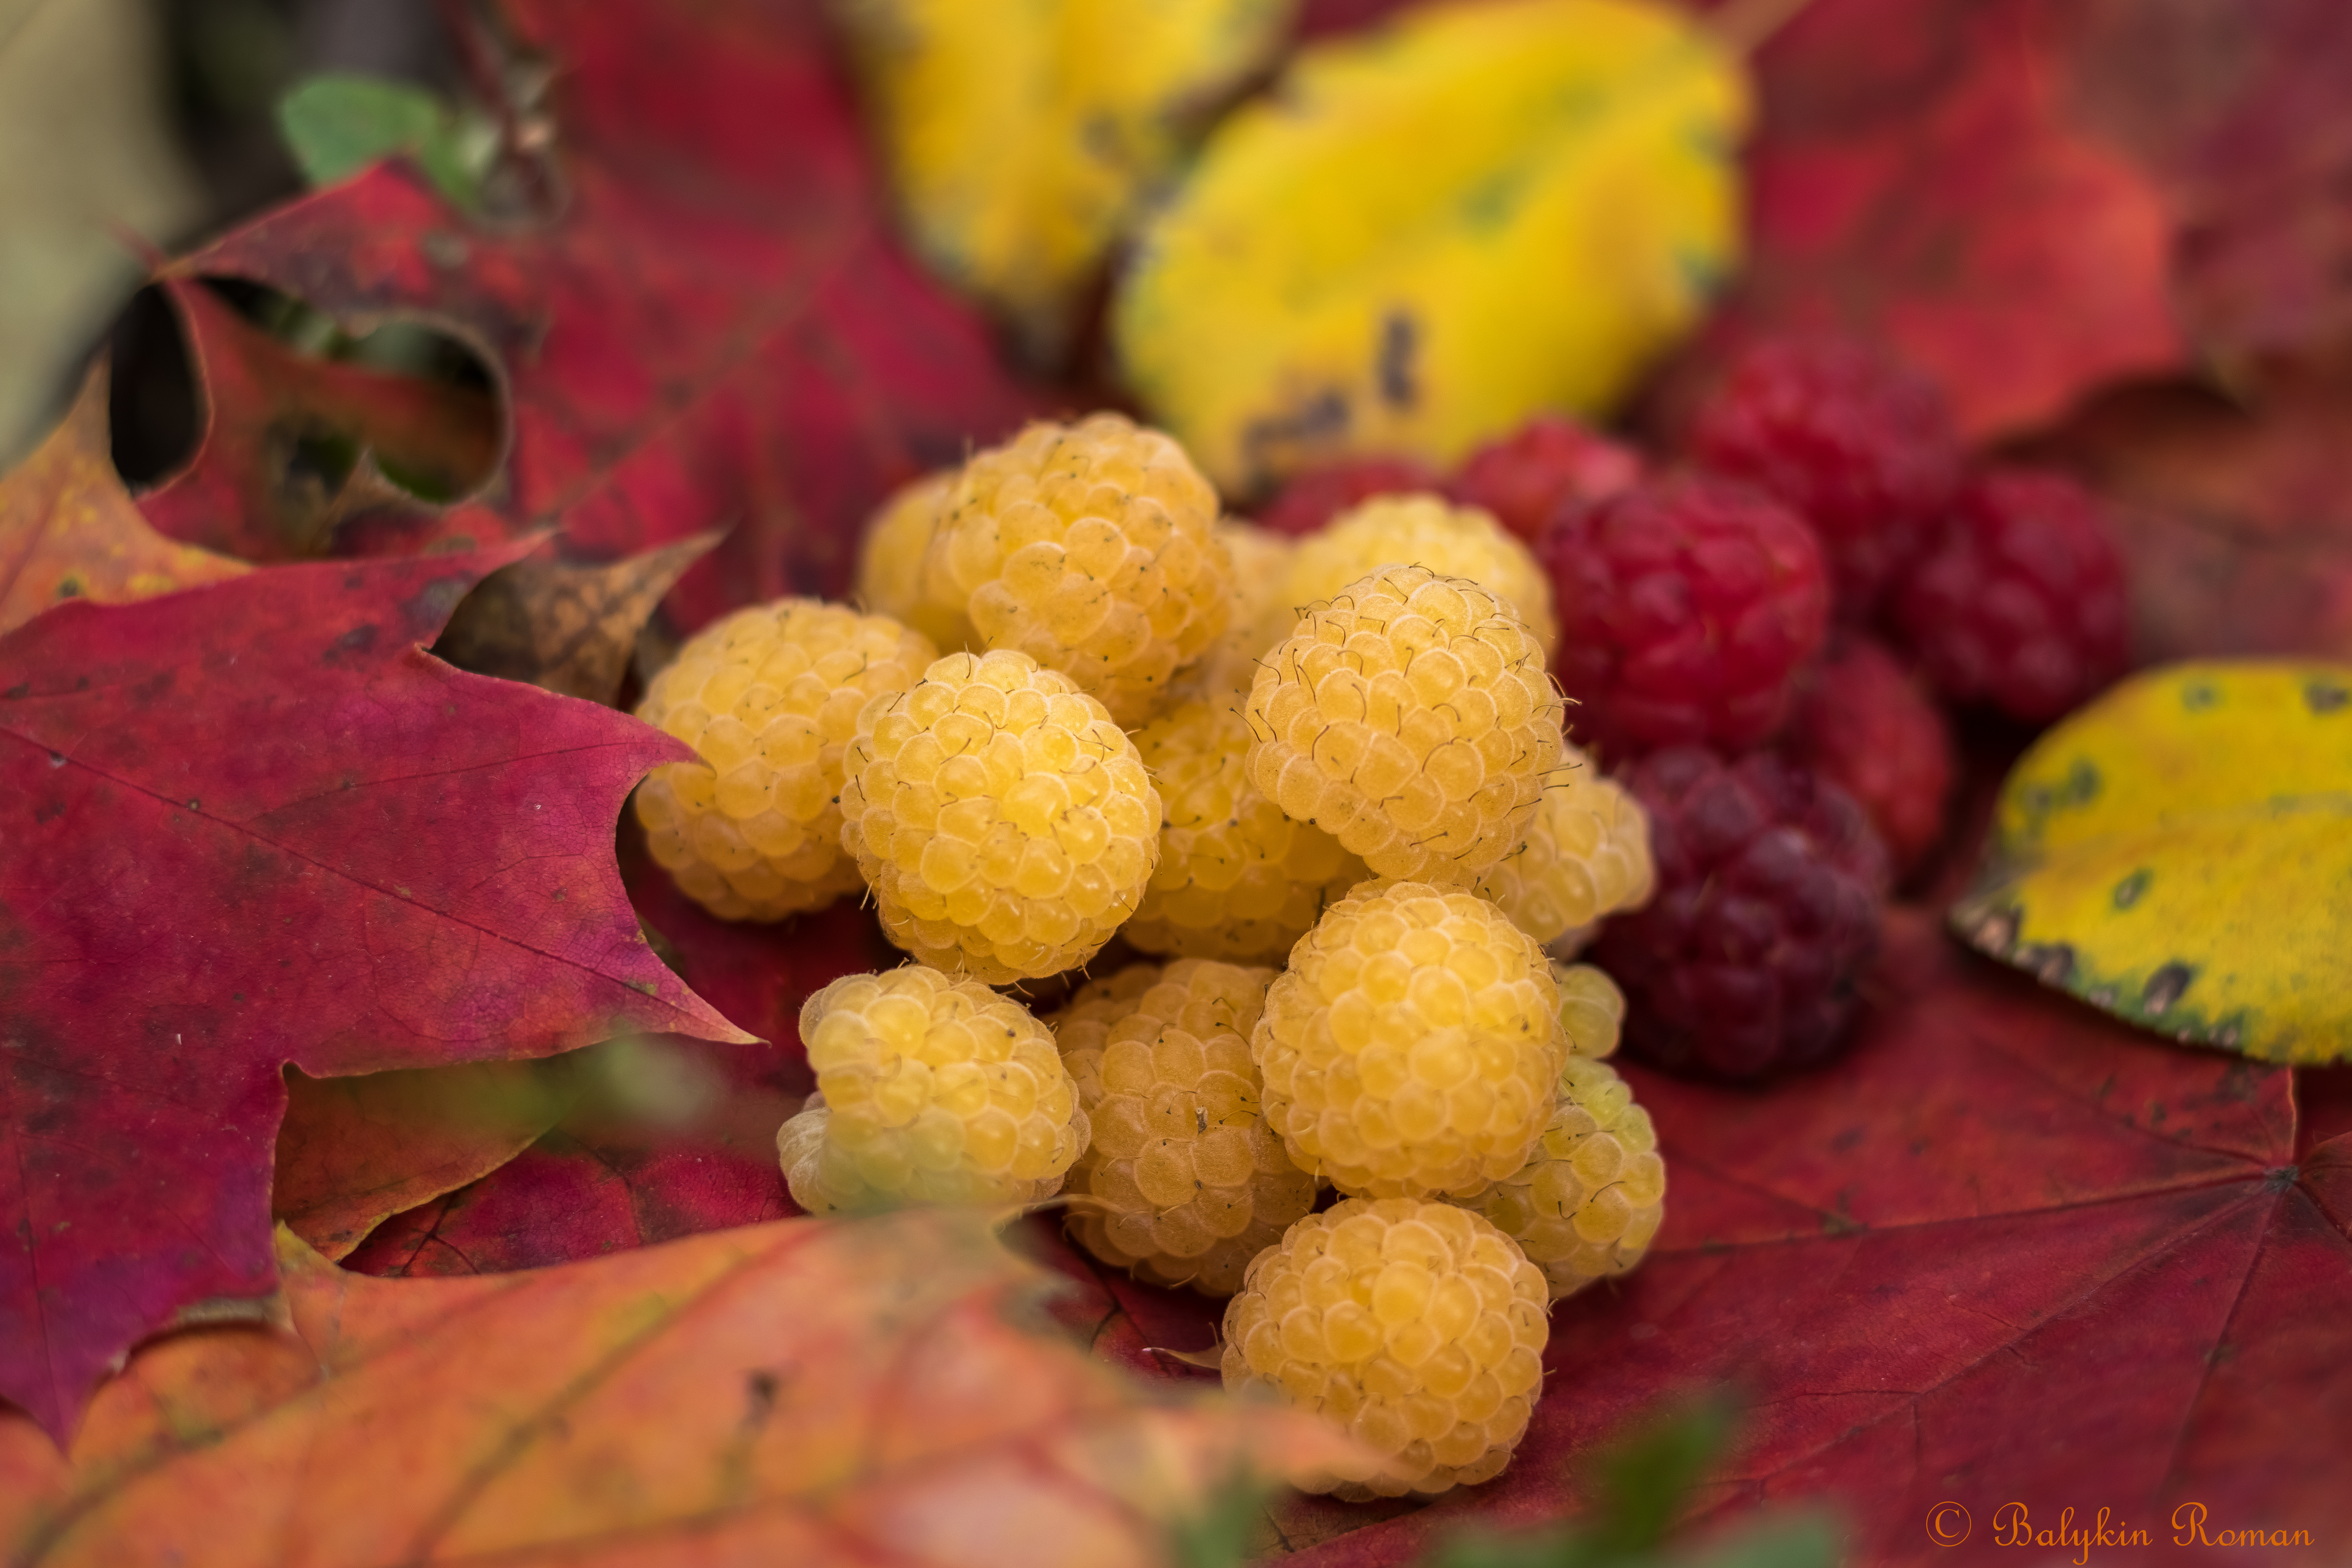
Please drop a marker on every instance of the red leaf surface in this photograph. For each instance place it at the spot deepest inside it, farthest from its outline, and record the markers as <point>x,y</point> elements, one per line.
<point>620,1174</point>
<point>1916,182</point>
<point>2235,521</point>
<point>256,824</point>
<point>716,328</point>
<point>2007,1252</point>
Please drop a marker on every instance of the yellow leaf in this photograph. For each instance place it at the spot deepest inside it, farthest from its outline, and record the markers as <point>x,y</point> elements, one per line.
<point>2180,853</point>
<point>1022,139</point>
<point>1432,231</point>
<point>69,530</point>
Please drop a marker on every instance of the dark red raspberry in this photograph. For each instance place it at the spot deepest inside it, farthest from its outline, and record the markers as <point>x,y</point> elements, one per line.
<point>2021,604</point>
<point>1865,723</point>
<point>1688,607</point>
<point>1770,883</point>
<point>1548,462</point>
<point>1314,497</point>
<point>1860,447</point>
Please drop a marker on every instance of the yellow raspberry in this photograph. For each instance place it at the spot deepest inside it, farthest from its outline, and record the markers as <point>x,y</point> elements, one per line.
<point>1416,1326</point>
<point>1586,854</point>
<point>1237,878</point>
<point>1591,1009</point>
<point>1006,825</point>
<point>928,1090</point>
<point>1414,1045</point>
<point>1193,1183</point>
<point>892,575</point>
<point>1089,547</point>
<point>1261,561</point>
<point>769,697</point>
<point>1411,719</point>
<point>1419,530</point>
<point>1589,1198</point>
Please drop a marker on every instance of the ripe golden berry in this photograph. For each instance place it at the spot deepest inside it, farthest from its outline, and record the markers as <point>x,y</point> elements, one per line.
<point>1462,541</point>
<point>1191,1181</point>
<point>771,698</point>
<point>1090,548</point>
<point>1591,1196</point>
<point>1416,1326</point>
<point>1261,559</point>
<point>1411,719</point>
<point>1585,853</point>
<point>1414,1045</point>
<point>893,565</point>
<point>929,1089</point>
<point>1005,824</point>
<point>1237,878</point>
<point>1591,1009</point>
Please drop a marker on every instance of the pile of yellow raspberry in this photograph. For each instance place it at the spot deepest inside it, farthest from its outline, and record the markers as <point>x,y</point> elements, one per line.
<point>1417,1326</point>
<point>1327,781</point>
<point>1412,530</point>
<point>1237,878</point>
<point>1188,1182</point>
<point>928,1090</point>
<point>1413,718</point>
<point>771,698</point>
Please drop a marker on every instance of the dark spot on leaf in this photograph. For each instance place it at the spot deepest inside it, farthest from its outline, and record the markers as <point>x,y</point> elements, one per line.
<point>196,805</point>
<point>2325,696</point>
<point>1399,339</point>
<point>2281,1177</point>
<point>49,812</point>
<point>429,608</point>
<point>2164,989</point>
<point>2082,785</point>
<point>2053,963</point>
<point>1994,930</point>
<point>56,759</point>
<point>359,639</point>
<point>2197,696</point>
<point>2128,890</point>
<point>69,587</point>
<point>22,689</point>
<point>760,1389</point>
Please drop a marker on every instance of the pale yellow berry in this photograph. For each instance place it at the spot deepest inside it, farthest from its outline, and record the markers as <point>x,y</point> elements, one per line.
<point>1187,1181</point>
<point>1462,541</point>
<point>1591,1196</point>
<point>893,575</point>
<point>1237,878</point>
<point>929,1089</point>
<point>1415,1326</point>
<point>1261,562</point>
<point>1414,1045</point>
<point>1090,548</point>
<point>1585,853</point>
<point>1591,1009</point>
<point>1410,718</point>
<point>769,697</point>
<point>1006,825</point>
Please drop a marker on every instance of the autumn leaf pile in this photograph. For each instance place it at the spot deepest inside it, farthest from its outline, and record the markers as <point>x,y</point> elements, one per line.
<point>862,526</point>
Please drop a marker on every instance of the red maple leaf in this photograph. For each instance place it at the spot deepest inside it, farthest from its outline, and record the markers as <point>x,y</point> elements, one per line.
<point>256,824</point>
<point>715,327</point>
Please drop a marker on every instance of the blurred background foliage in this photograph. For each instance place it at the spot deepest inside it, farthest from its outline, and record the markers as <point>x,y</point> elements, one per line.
<point>149,123</point>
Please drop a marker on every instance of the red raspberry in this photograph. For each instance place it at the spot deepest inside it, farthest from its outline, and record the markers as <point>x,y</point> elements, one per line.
<point>1688,607</point>
<point>1313,497</point>
<point>1864,724</point>
<point>1859,447</point>
<point>2021,604</point>
<point>1548,462</point>
<point>1769,885</point>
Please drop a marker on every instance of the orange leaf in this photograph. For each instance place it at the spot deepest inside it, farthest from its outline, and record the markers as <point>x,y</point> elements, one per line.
<point>67,530</point>
<point>806,1391</point>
